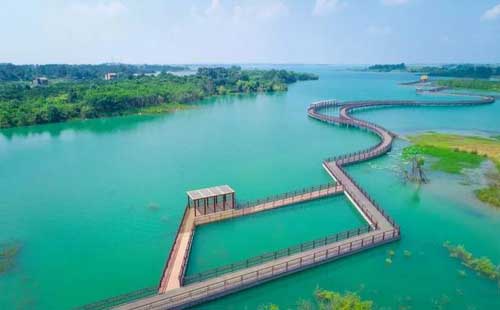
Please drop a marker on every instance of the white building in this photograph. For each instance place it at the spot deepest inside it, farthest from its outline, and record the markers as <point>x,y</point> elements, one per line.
<point>110,76</point>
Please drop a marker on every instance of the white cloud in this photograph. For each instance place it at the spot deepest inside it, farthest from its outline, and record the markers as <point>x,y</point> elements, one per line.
<point>492,13</point>
<point>324,7</point>
<point>394,2</point>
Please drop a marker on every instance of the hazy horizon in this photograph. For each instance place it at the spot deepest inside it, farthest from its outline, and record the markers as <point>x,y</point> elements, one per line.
<point>329,32</point>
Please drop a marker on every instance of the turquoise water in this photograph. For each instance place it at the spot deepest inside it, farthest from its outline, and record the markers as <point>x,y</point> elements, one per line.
<point>231,241</point>
<point>95,204</point>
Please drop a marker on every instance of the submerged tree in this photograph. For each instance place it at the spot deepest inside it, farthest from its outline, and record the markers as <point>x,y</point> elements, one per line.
<point>416,171</point>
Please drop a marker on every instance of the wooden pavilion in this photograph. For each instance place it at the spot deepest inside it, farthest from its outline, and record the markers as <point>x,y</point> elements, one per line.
<point>211,200</point>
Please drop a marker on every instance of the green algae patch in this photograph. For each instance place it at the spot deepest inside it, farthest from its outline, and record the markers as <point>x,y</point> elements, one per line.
<point>482,265</point>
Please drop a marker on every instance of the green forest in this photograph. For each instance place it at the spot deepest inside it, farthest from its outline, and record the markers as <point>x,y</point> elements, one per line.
<point>450,70</point>
<point>22,104</point>
<point>460,70</point>
<point>11,73</point>
<point>388,68</point>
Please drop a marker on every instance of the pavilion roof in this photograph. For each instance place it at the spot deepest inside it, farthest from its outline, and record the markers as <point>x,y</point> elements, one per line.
<point>210,192</point>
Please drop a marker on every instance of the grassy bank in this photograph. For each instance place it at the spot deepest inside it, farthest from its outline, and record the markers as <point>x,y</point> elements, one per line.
<point>453,153</point>
<point>484,85</point>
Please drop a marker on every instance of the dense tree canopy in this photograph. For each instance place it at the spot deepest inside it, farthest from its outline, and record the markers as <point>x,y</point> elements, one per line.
<point>451,70</point>
<point>471,84</point>
<point>461,70</point>
<point>21,104</point>
<point>387,68</point>
<point>11,72</point>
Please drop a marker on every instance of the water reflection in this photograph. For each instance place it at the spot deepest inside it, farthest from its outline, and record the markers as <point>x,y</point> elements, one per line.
<point>95,126</point>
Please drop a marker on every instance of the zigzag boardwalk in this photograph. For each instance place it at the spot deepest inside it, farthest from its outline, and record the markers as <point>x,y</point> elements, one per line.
<point>178,292</point>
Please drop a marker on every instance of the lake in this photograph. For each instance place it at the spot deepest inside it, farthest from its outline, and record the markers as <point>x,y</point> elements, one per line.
<point>96,204</point>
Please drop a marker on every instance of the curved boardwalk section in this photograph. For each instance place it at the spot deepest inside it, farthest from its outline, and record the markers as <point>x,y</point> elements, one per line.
<point>178,292</point>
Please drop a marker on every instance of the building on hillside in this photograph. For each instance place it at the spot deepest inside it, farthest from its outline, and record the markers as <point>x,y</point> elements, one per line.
<point>110,76</point>
<point>40,81</point>
<point>424,78</point>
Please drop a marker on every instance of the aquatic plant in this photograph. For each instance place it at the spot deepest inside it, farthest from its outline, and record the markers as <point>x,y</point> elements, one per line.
<point>483,265</point>
<point>9,250</point>
<point>8,253</point>
<point>153,206</point>
<point>268,307</point>
<point>303,304</point>
<point>407,253</point>
<point>462,273</point>
<point>441,302</point>
<point>490,195</point>
<point>328,300</point>
<point>391,253</point>
<point>5,265</point>
<point>388,260</point>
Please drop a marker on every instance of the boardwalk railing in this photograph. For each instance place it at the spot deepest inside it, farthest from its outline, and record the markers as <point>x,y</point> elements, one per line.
<point>108,303</point>
<point>287,195</point>
<point>257,260</point>
<point>185,259</point>
<point>173,249</point>
<point>365,193</point>
<point>272,202</point>
<point>214,289</point>
<point>374,203</point>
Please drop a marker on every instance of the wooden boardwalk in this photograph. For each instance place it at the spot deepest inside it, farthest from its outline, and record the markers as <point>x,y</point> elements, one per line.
<point>193,294</point>
<point>271,204</point>
<point>172,294</point>
<point>176,263</point>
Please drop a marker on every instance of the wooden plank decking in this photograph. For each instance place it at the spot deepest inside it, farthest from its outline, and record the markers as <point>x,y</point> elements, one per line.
<point>176,263</point>
<point>268,205</point>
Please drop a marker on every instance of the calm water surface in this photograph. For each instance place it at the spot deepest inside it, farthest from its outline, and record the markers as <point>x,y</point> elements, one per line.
<point>95,204</point>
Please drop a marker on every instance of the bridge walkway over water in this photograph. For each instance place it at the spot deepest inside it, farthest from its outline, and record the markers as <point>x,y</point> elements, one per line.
<point>172,294</point>
<point>177,261</point>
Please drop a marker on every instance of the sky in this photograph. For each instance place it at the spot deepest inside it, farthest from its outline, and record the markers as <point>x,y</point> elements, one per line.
<point>244,31</point>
